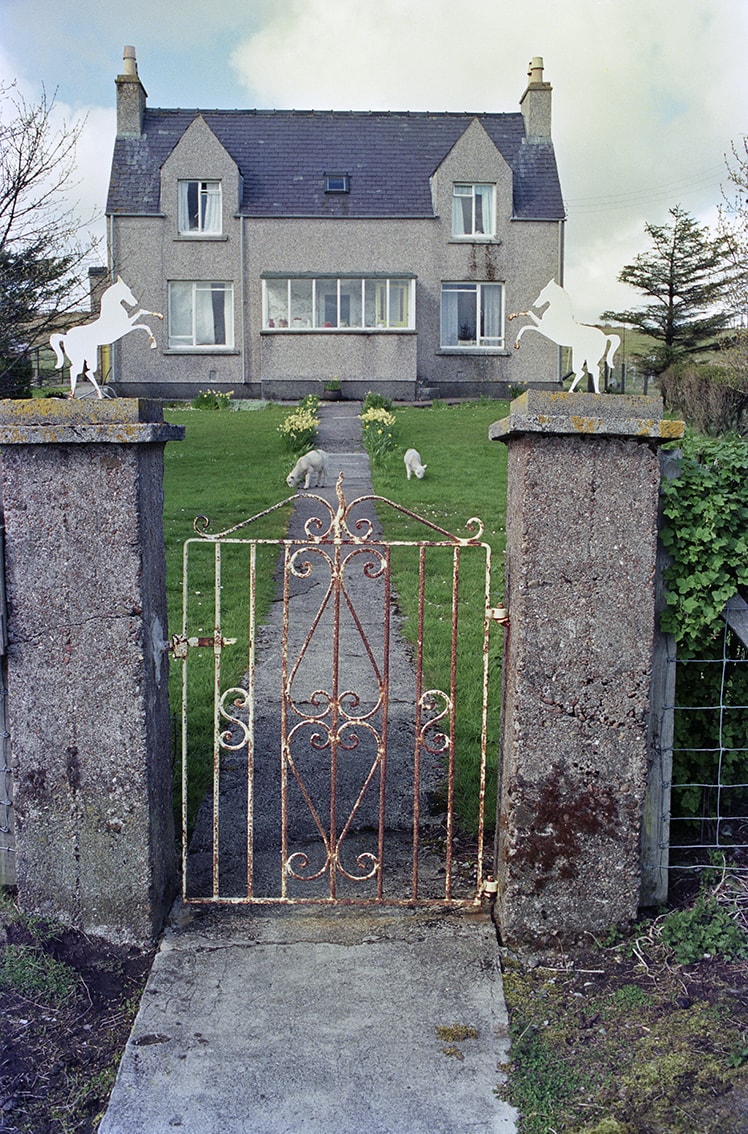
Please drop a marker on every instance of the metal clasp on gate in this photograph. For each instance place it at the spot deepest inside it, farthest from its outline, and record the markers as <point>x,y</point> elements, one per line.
<point>499,614</point>
<point>179,645</point>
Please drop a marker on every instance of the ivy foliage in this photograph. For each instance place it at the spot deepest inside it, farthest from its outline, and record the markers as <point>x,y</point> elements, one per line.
<point>705,532</point>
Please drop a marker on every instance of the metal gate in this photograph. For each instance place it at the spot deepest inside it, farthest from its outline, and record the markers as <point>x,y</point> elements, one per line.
<point>318,764</point>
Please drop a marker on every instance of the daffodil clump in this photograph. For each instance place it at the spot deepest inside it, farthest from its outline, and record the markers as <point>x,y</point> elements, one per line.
<point>212,399</point>
<point>377,431</point>
<point>299,429</point>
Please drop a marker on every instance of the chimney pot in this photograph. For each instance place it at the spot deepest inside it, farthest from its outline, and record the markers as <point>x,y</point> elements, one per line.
<point>130,62</point>
<point>535,74</point>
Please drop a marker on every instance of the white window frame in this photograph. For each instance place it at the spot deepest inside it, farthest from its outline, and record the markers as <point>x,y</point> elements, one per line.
<point>483,340</point>
<point>199,291</point>
<point>209,215</point>
<point>389,299</point>
<point>478,227</point>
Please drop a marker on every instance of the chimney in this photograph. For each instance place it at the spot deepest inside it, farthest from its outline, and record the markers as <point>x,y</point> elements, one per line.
<point>131,96</point>
<point>536,102</point>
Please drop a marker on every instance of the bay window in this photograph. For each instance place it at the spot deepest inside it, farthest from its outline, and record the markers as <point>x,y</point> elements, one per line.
<point>473,210</point>
<point>334,303</point>
<point>199,208</point>
<point>201,315</point>
<point>472,315</point>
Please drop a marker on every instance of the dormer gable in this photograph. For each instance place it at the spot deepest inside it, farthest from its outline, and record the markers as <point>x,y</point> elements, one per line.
<point>201,184</point>
<point>473,160</point>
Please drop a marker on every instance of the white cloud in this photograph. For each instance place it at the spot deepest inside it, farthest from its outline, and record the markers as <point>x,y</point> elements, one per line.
<point>647,95</point>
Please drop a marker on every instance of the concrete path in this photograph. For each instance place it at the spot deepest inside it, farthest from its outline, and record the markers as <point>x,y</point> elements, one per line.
<point>318,1020</point>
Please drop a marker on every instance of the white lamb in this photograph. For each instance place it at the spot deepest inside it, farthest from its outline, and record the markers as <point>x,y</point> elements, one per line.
<point>413,464</point>
<point>308,468</point>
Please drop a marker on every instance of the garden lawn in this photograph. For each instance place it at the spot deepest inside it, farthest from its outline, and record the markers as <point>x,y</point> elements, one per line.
<point>465,478</point>
<point>230,466</point>
<point>233,465</point>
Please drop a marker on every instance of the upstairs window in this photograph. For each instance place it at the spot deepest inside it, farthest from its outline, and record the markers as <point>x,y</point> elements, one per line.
<point>473,213</point>
<point>200,208</point>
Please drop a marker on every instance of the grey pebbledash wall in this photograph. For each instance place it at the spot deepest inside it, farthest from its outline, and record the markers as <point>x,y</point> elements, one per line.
<point>582,506</point>
<point>88,713</point>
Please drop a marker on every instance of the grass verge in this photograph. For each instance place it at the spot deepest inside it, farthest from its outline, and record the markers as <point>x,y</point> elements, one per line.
<point>622,1038</point>
<point>465,478</point>
<point>230,467</point>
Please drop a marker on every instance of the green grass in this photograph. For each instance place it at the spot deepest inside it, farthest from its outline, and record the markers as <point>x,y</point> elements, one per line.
<point>466,477</point>
<point>230,466</point>
<point>233,465</point>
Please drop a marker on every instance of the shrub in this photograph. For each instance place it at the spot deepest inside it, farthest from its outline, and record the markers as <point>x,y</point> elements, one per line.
<point>299,429</point>
<point>212,399</point>
<point>376,401</point>
<point>377,432</point>
<point>705,532</point>
<point>708,928</point>
<point>15,377</point>
<point>711,399</point>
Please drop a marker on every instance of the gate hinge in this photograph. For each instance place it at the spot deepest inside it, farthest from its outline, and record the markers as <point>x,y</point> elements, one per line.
<point>489,887</point>
<point>499,614</point>
<point>179,646</point>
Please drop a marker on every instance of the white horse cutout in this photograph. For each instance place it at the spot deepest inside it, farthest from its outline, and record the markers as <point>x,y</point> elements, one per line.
<point>589,345</point>
<point>80,343</point>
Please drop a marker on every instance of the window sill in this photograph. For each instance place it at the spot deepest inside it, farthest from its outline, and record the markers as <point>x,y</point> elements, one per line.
<point>189,238</point>
<point>474,240</point>
<point>338,331</point>
<point>474,350</point>
<point>201,350</point>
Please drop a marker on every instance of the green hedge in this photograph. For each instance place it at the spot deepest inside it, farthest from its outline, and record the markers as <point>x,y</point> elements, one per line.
<point>710,399</point>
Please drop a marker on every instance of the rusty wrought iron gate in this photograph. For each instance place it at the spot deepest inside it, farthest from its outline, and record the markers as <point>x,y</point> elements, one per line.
<point>325,769</point>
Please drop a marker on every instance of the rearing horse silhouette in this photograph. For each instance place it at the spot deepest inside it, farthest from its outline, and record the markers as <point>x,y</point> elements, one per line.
<point>589,345</point>
<point>80,343</point>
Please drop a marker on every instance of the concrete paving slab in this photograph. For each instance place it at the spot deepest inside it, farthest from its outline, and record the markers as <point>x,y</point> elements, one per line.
<point>331,1022</point>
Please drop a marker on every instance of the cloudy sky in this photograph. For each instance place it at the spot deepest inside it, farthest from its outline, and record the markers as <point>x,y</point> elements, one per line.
<point>647,94</point>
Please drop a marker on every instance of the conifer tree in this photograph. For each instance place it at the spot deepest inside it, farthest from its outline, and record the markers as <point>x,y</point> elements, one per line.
<point>684,276</point>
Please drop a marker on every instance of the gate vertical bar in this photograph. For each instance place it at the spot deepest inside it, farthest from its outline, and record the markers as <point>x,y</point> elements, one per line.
<point>484,718</point>
<point>185,702</point>
<point>419,719</point>
<point>285,695</point>
<point>387,613</point>
<point>216,719</point>
<point>251,677</point>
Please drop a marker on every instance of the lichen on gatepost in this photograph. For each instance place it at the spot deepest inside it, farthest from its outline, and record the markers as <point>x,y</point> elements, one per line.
<point>582,507</point>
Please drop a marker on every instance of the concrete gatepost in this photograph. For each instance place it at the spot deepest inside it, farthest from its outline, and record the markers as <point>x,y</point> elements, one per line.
<point>581,528</point>
<point>88,709</point>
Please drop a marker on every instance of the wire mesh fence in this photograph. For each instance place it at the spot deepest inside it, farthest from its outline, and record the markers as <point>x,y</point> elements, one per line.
<point>708,792</point>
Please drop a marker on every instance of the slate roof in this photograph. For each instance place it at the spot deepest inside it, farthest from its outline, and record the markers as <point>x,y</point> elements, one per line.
<point>283,156</point>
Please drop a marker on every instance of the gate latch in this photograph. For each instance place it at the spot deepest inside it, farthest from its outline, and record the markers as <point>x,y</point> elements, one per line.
<point>499,614</point>
<point>179,645</point>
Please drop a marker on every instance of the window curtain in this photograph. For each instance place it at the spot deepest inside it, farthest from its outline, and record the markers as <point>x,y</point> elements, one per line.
<point>491,312</point>
<point>187,208</point>
<point>483,209</point>
<point>211,206</point>
<point>450,317</point>
<point>462,208</point>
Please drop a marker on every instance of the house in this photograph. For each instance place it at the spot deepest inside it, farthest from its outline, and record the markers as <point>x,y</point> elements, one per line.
<point>287,247</point>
